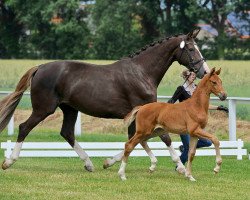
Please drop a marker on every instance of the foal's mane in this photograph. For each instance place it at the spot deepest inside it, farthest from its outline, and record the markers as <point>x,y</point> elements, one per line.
<point>153,44</point>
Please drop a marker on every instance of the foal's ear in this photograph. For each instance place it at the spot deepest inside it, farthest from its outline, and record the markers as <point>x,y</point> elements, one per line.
<point>193,34</point>
<point>212,71</point>
<point>218,71</point>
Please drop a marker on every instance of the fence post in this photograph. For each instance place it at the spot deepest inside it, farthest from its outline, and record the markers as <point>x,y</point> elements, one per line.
<point>232,119</point>
<point>8,149</point>
<point>11,126</point>
<point>78,124</point>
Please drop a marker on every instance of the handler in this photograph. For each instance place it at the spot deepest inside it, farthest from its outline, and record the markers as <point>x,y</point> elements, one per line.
<point>182,93</point>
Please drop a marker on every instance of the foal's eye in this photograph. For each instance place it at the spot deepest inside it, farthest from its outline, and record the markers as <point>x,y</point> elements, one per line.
<point>191,49</point>
<point>214,82</point>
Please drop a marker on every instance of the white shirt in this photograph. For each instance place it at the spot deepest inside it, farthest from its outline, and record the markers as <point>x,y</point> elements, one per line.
<point>190,88</point>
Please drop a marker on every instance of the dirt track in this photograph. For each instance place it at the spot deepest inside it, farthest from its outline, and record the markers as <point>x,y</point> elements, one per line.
<point>218,124</point>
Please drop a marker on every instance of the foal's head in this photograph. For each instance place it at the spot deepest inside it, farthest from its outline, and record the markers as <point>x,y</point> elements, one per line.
<point>214,84</point>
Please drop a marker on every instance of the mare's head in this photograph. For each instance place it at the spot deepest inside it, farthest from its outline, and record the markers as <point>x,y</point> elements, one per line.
<point>188,54</point>
<point>214,84</point>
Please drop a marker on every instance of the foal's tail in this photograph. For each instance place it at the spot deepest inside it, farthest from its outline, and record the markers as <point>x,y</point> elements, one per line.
<point>130,117</point>
<point>10,102</point>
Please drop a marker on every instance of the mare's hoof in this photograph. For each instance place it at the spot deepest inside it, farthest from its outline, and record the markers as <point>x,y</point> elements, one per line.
<point>106,164</point>
<point>6,164</point>
<point>181,170</point>
<point>191,178</point>
<point>89,168</point>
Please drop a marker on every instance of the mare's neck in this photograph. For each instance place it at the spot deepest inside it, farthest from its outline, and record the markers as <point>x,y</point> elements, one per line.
<point>156,60</point>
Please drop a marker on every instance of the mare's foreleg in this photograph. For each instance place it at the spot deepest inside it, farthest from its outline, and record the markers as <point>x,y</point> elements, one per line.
<point>176,159</point>
<point>191,154</point>
<point>153,159</point>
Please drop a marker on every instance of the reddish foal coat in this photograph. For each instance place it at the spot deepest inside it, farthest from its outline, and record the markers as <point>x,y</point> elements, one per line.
<point>188,116</point>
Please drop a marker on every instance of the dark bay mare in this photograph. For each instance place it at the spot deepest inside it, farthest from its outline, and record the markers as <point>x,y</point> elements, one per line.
<point>108,91</point>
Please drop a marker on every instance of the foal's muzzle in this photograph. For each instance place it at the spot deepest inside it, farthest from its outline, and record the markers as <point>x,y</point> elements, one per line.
<point>222,96</point>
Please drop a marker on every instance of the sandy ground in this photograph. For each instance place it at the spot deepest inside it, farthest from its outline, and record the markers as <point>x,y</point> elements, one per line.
<point>217,124</point>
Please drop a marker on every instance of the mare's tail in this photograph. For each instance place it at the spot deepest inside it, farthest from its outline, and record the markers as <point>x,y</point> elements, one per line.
<point>130,117</point>
<point>10,102</point>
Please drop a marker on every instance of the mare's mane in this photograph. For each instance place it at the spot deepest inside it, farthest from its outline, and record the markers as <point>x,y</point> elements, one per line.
<point>152,44</point>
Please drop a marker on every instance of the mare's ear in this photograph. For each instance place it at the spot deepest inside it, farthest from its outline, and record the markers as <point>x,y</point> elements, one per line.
<point>193,34</point>
<point>212,72</point>
<point>218,71</point>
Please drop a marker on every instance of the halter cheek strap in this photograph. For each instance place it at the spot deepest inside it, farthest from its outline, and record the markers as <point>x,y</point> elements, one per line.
<point>191,62</point>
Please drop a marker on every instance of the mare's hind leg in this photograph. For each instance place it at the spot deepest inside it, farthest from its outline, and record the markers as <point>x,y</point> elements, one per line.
<point>24,129</point>
<point>67,132</point>
<point>153,159</point>
<point>118,157</point>
<point>176,159</point>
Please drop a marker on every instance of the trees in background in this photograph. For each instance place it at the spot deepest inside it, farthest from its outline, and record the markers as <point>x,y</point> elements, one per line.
<point>110,29</point>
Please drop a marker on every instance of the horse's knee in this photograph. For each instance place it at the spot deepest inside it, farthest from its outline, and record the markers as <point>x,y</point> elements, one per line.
<point>69,137</point>
<point>216,143</point>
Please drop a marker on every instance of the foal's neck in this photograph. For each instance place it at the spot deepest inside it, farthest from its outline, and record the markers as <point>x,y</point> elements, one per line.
<point>201,96</point>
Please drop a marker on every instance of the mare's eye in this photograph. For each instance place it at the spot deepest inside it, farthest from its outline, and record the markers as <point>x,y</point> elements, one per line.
<point>191,49</point>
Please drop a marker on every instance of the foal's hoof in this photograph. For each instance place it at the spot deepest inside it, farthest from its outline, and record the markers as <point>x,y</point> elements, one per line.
<point>89,168</point>
<point>6,164</point>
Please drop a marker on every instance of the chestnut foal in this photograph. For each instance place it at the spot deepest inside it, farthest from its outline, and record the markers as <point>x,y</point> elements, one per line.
<point>188,116</point>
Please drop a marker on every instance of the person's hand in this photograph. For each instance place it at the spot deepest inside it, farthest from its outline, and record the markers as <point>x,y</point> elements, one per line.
<point>222,108</point>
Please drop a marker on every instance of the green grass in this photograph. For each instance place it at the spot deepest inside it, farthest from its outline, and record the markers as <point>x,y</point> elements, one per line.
<point>65,178</point>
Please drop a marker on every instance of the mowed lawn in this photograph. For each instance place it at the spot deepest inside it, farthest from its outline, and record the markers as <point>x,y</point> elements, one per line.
<point>65,178</point>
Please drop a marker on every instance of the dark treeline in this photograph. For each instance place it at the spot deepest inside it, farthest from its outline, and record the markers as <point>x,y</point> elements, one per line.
<point>111,29</point>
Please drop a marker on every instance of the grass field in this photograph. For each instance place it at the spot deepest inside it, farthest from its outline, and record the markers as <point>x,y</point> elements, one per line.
<point>65,178</point>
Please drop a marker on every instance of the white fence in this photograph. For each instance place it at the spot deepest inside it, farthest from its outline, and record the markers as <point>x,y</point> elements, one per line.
<point>109,149</point>
<point>232,101</point>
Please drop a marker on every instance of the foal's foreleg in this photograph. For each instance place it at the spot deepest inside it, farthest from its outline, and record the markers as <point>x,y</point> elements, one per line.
<point>203,134</point>
<point>191,154</point>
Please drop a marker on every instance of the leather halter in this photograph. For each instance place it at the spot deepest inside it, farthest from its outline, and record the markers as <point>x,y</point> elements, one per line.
<point>192,63</point>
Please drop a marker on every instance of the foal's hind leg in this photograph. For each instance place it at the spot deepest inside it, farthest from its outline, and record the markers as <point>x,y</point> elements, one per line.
<point>118,157</point>
<point>67,132</point>
<point>24,129</point>
<point>176,159</point>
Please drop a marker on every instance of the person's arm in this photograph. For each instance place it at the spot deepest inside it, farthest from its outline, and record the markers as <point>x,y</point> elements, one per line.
<point>222,108</point>
<point>176,95</point>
